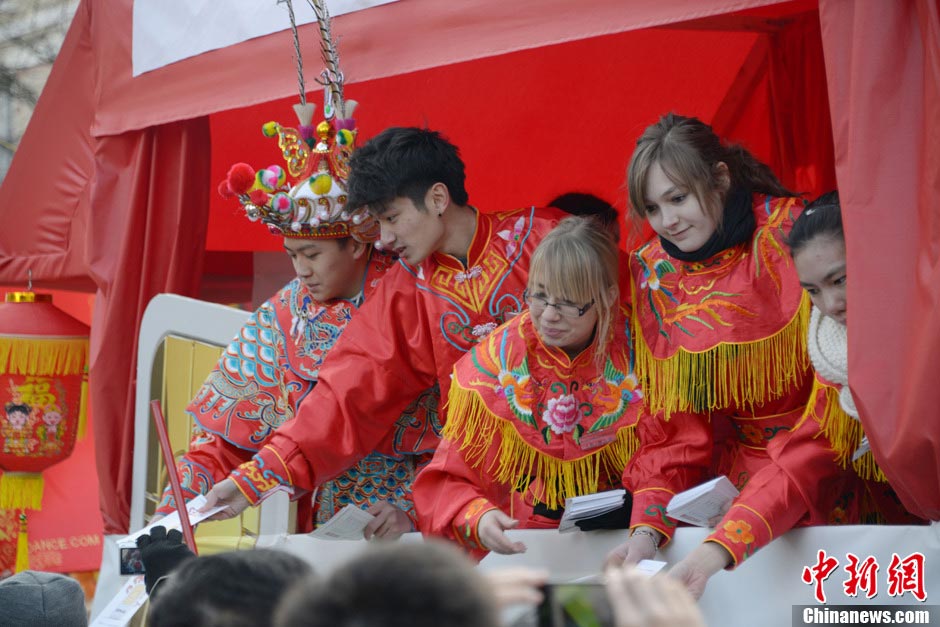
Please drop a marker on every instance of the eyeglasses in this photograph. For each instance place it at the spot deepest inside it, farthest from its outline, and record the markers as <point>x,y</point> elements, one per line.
<point>567,310</point>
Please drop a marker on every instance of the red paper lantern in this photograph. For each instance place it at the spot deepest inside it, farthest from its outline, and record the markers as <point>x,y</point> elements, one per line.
<point>43,383</point>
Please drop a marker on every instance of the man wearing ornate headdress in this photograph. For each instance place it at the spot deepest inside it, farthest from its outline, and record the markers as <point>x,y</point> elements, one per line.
<point>273,363</point>
<point>461,273</point>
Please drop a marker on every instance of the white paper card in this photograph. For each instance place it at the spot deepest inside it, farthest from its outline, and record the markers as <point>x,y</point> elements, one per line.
<point>588,506</point>
<point>703,504</point>
<point>124,605</point>
<point>650,567</point>
<point>348,524</point>
<point>172,521</point>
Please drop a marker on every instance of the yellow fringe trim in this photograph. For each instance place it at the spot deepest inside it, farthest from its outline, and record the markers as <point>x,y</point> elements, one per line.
<point>21,490</point>
<point>22,547</point>
<point>845,433</point>
<point>745,374</point>
<point>43,357</point>
<point>471,422</point>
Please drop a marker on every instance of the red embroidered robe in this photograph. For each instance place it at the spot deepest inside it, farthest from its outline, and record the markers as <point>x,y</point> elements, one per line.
<point>879,503</point>
<point>721,355</point>
<point>867,497</point>
<point>261,378</point>
<point>527,428</point>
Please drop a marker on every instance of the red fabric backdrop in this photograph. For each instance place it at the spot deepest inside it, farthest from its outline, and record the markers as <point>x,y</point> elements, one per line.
<point>388,40</point>
<point>530,124</point>
<point>537,123</point>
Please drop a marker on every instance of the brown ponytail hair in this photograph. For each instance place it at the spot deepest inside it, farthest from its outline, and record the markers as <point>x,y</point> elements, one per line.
<point>689,151</point>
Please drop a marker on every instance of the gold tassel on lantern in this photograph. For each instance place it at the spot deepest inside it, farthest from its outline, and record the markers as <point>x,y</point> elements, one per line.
<point>22,547</point>
<point>43,356</point>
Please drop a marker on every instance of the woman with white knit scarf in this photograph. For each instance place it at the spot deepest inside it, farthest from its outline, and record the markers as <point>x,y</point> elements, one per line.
<point>817,244</point>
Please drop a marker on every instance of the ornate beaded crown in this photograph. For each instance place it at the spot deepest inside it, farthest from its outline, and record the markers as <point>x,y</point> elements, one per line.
<point>311,201</point>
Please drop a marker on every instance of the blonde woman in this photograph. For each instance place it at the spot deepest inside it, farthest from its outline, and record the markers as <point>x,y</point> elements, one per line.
<point>544,408</point>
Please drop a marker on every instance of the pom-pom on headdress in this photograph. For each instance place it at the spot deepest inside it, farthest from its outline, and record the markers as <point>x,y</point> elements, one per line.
<point>308,200</point>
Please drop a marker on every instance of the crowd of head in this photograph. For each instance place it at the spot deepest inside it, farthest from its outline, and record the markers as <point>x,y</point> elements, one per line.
<point>377,588</point>
<point>389,584</point>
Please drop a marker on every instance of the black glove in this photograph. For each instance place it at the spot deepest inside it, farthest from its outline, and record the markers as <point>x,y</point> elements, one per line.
<point>615,519</point>
<point>162,553</point>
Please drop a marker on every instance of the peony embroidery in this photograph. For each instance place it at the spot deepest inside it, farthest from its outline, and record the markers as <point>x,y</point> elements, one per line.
<point>562,414</point>
<point>738,531</point>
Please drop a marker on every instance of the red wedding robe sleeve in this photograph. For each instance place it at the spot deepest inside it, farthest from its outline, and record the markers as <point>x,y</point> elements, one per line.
<point>383,361</point>
<point>811,480</point>
<point>787,491</point>
<point>210,459</point>
<point>674,455</point>
<point>451,495</point>
<point>803,484</point>
<point>457,495</point>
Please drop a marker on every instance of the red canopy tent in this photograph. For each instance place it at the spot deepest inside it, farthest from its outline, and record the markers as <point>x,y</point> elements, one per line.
<point>112,187</point>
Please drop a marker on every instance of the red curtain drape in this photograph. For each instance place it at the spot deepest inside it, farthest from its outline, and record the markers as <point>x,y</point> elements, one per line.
<point>883,65</point>
<point>799,105</point>
<point>778,106</point>
<point>146,236</point>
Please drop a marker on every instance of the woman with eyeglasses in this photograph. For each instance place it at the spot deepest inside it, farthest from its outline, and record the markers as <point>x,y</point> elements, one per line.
<point>544,408</point>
